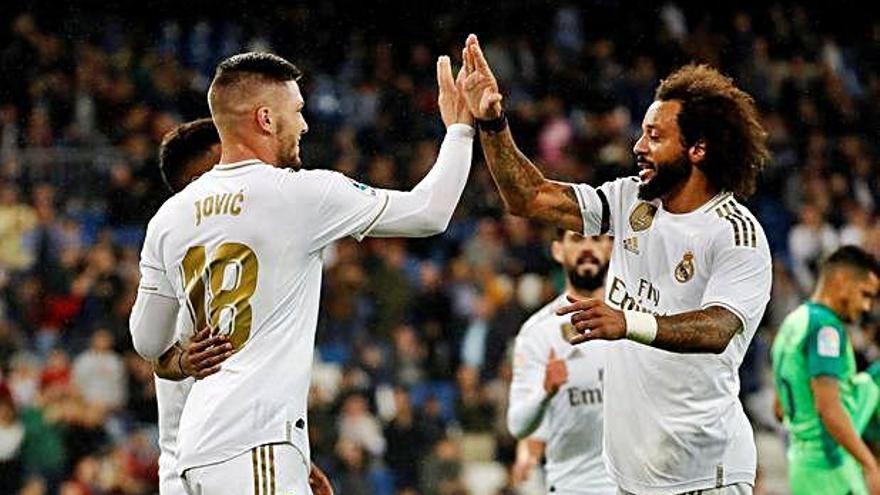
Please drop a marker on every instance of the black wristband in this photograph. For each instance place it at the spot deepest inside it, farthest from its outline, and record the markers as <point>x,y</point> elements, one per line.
<point>495,125</point>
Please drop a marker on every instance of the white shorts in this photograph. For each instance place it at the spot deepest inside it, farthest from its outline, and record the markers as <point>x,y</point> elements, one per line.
<point>735,489</point>
<point>274,469</point>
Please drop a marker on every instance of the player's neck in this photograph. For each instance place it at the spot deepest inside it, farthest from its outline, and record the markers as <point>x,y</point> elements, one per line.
<point>690,195</point>
<point>585,294</point>
<point>235,152</point>
<point>826,298</point>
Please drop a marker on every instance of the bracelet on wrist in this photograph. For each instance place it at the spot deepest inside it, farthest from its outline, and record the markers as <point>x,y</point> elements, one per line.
<point>495,125</point>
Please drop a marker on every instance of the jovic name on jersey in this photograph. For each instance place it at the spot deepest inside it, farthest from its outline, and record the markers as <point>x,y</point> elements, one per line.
<point>673,421</point>
<point>572,422</point>
<point>251,266</point>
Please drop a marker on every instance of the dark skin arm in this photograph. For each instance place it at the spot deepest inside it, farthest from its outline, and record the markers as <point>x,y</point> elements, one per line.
<point>201,358</point>
<point>701,331</point>
<point>524,189</point>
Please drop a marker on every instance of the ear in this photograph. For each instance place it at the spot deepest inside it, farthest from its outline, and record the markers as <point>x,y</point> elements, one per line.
<point>556,251</point>
<point>697,152</point>
<point>265,120</point>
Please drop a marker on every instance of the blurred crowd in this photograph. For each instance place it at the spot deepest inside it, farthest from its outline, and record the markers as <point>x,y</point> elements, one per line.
<point>411,375</point>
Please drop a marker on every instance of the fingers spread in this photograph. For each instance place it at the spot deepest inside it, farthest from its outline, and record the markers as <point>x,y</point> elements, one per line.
<point>444,74</point>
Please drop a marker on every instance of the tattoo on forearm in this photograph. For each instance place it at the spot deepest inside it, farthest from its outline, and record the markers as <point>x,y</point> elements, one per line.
<point>517,177</point>
<point>707,330</point>
<point>520,182</point>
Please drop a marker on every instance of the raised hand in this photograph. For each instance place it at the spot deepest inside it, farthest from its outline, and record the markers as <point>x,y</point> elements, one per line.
<point>593,319</point>
<point>479,86</point>
<point>555,375</point>
<point>453,107</point>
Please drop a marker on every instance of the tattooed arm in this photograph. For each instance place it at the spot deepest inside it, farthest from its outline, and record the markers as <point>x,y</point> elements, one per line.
<point>524,189</point>
<point>701,331</point>
<point>706,330</point>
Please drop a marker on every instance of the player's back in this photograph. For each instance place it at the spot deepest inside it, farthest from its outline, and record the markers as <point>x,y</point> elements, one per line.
<point>241,248</point>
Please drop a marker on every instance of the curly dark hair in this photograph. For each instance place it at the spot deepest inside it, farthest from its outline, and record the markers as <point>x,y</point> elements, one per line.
<point>725,117</point>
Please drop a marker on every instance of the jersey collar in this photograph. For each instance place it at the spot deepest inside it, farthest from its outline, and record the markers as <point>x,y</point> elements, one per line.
<point>236,165</point>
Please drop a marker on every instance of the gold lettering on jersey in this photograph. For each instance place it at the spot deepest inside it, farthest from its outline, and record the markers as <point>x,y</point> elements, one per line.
<point>642,216</point>
<point>219,204</point>
<point>237,200</point>
<point>685,269</point>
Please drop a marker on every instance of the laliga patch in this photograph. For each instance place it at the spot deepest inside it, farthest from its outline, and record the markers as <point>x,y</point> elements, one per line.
<point>828,342</point>
<point>362,187</point>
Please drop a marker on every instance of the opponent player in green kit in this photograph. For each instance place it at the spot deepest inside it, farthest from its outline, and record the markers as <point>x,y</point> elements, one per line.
<point>826,405</point>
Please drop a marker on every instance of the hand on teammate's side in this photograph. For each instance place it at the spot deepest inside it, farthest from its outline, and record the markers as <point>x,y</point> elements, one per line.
<point>205,354</point>
<point>555,374</point>
<point>593,319</point>
<point>319,483</point>
<point>453,107</point>
<point>479,85</point>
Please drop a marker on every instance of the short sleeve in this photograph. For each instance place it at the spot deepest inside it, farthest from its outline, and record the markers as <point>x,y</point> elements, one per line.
<point>154,277</point>
<point>345,207</point>
<point>740,281</point>
<point>601,207</point>
<point>825,345</point>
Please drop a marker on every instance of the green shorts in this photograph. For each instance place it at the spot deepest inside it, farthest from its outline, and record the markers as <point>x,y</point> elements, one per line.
<point>806,479</point>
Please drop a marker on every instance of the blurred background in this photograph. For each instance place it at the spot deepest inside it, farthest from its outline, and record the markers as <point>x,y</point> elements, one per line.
<point>411,376</point>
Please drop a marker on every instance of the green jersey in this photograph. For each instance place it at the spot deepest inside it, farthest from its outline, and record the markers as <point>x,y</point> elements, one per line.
<point>812,342</point>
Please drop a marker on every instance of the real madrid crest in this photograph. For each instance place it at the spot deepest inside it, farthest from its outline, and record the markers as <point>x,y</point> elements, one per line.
<point>642,216</point>
<point>684,271</point>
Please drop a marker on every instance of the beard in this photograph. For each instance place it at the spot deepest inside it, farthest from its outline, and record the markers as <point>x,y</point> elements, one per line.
<point>589,282</point>
<point>666,179</point>
<point>288,157</point>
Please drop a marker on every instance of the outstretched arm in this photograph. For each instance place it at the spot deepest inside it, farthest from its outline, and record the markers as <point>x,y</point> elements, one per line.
<point>524,189</point>
<point>427,208</point>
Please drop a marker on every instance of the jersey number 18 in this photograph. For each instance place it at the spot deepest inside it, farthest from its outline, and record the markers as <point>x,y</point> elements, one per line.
<point>219,292</point>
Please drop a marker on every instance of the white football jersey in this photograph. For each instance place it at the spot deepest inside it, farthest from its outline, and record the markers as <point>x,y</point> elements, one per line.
<point>673,422</point>
<point>240,248</point>
<point>572,423</point>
